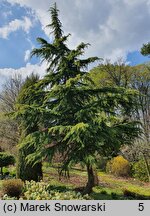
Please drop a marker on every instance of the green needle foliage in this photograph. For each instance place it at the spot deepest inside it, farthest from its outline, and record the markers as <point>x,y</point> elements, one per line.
<point>76,120</point>
<point>145,50</point>
<point>28,123</point>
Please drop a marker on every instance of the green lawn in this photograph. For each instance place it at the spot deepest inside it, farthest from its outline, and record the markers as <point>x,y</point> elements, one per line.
<point>110,187</point>
<point>114,187</point>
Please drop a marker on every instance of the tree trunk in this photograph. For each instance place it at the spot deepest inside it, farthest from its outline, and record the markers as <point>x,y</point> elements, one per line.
<point>2,171</point>
<point>92,179</point>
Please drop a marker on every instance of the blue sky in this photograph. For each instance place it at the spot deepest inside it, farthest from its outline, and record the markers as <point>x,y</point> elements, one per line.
<point>110,33</point>
<point>135,58</point>
<point>15,45</point>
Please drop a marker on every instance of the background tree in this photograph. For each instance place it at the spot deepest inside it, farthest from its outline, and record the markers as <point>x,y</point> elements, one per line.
<point>143,84</point>
<point>110,74</point>
<point>138,78</point>
<point>9,133</point>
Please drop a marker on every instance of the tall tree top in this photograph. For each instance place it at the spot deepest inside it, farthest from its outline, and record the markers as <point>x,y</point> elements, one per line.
<point>63,63</point>
<point>56,25</point>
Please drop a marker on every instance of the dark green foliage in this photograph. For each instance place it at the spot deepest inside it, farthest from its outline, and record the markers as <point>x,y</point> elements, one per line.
<point>103,192</point>
<point>56,24</point>
<point>6,160</point>
<point>145,50</point>
<point>27,171</point>
<point>114,196</point>
<point>28,124</point>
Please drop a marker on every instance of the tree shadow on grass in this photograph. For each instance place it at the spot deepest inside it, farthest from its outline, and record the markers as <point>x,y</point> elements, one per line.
<point>106,196</point>
<point>103,195</point>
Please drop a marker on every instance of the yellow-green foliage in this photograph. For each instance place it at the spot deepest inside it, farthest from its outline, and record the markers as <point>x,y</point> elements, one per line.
<point>118,166</point>
<point>139,171</point>
<point>36,191</point>
<point>40,191</point>
<point>6,197</point>
<point>13,187</point>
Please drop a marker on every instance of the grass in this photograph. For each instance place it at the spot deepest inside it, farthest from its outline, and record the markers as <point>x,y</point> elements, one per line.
<point>77,178</point>
<point>110,187</point>
<point>114,187</point>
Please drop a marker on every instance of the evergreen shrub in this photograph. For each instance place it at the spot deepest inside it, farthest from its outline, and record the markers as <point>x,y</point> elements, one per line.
<point>6,160</point>
<point>139,171</point>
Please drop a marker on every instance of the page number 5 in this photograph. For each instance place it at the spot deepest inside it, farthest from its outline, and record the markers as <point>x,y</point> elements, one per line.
<point>141,206</point>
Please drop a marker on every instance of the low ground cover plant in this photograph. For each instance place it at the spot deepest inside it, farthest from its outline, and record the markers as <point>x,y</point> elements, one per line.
<point>38,191</point>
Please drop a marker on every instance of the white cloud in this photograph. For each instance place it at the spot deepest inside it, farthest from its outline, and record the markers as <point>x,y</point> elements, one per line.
<point>27,55</point>
<point>110,26</point>
<point>24,71</point>
<point>24,24</point>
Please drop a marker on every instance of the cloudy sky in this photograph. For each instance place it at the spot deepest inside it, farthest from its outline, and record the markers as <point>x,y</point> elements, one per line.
<point>114,28</point>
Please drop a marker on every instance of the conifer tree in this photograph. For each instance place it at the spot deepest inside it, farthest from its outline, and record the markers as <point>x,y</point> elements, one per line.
<point>28,123</point>
<point>145,50</point>
<point>79,120</point>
